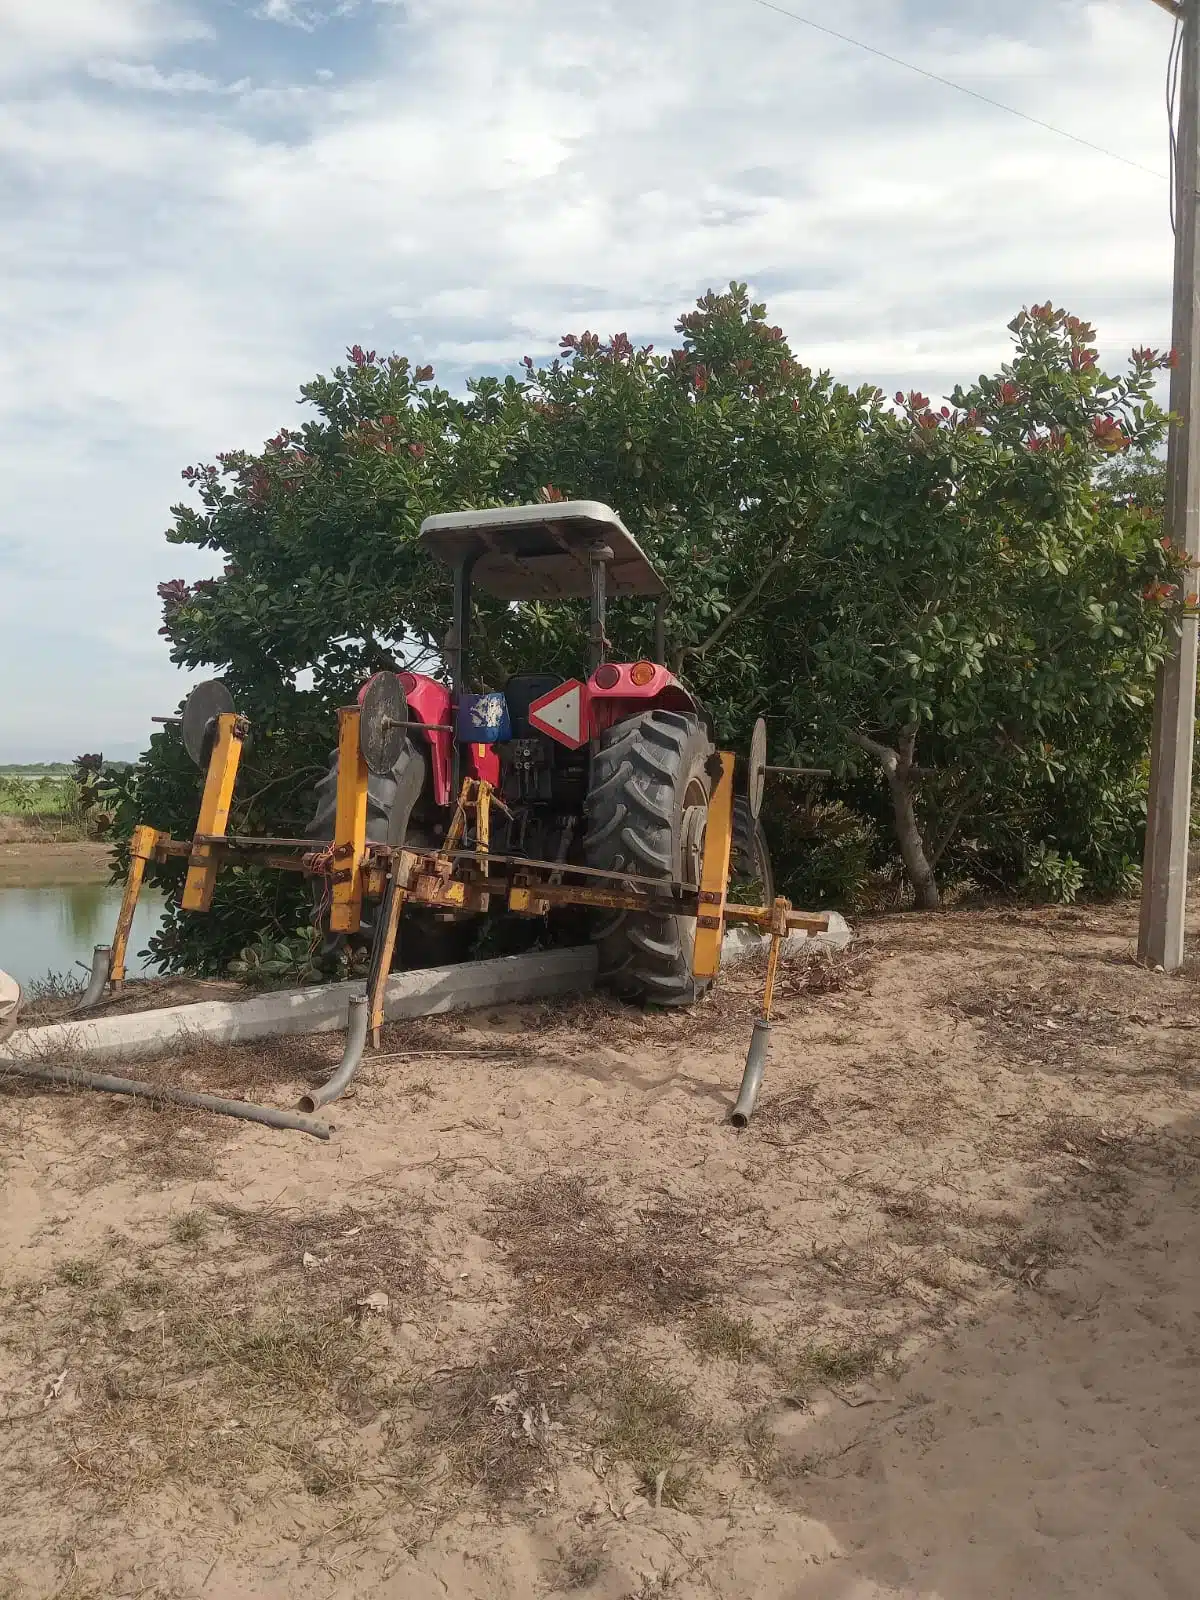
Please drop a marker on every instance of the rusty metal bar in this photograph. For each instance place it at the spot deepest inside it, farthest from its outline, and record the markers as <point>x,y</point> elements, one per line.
<point>245,841</point>
<point>385,944</point>
<point>141,849</point>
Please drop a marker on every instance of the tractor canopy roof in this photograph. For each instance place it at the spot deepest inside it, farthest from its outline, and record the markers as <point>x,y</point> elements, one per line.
<point>542,552</point>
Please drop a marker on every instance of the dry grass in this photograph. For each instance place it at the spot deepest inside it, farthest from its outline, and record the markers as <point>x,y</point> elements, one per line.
<point>344,1254</point>
<point>238,1370</point>
<point>579,1025</point>
<point>791,1115</point>
<point>247,1352</point>
<point>187,1383</point>
<point>1025,1255</point>
<point>568,1247</point>
<point>648,1420</point>
<point>831,1364</point>
<point>716,1333</point>
<point>580,1564</point>
<point>496,1420</point>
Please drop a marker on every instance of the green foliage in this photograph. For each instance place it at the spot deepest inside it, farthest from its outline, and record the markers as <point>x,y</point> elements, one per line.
<point>823,850</point>
<point>280,963</point>
<point>973,599</point>
<point>36,796</point>
<point>1049,876</point>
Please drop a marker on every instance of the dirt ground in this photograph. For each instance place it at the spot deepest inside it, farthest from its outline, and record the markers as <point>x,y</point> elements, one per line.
<point>538,1321</point>
<point>29,860</point>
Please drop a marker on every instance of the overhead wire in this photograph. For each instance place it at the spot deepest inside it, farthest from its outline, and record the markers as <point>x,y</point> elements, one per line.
<point>960,88</point>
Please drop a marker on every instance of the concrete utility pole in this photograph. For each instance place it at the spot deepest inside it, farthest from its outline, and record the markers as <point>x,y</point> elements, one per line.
<point>1164,875</point>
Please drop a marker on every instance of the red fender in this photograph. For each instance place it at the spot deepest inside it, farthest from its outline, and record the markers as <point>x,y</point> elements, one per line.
<point>429,701</point>
<point>615,696</point>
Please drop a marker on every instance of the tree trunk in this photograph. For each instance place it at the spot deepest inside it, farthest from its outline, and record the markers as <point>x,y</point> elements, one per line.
<point>908,836</point>
<point>900,771</point>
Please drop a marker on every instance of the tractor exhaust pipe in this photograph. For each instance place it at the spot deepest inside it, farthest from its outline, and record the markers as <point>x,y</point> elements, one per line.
<point>356,1039</point>
<point>92,995</point>
<point>752,1077</point>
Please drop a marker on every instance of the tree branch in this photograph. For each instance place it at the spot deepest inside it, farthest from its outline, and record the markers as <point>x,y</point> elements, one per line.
<point>884,754</point>
<point>969,796</point>
<point>739,610</point>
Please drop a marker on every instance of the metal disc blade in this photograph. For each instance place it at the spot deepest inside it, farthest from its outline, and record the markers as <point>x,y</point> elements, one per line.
<point>380,739</point>
<point>201,709</point>
<point>757,773</point>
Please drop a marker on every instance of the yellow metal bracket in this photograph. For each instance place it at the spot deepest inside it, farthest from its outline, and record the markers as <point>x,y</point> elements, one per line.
<point>349,827</point>
<point>141,850</point>
<point>214,811</point>
<point>714,875</point>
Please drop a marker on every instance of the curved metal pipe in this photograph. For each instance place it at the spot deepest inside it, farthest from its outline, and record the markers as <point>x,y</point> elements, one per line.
<point>98,979</point>
<point>270,1116</point>
<point>752,1077</point>
<point>356,1038</point>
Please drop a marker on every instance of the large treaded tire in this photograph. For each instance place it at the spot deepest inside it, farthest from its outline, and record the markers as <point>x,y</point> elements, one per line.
<point>641,776</point>
<point>750,866</point>
<point>423,941</point>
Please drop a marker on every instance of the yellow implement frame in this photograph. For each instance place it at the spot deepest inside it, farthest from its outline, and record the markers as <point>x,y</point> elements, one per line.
<point>714,875</point>
<point>349,827</point>
<point>455,879</point>
<point>214,811</point>
<point>141,850</point>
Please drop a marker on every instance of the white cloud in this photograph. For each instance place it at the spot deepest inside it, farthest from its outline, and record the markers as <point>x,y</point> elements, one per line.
<point>39,36</point>
<point>477,180</point>
<point>144,75</point>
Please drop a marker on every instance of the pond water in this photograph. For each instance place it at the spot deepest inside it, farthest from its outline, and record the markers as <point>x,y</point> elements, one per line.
<point>48,930</point>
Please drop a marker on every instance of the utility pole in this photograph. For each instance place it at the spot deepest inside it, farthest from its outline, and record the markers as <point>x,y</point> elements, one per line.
<point>1164,874</point>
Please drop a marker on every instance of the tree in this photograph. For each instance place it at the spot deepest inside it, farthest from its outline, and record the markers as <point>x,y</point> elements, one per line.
<point>984,594</point>
<point>720,455</point>
<point>967,598</point>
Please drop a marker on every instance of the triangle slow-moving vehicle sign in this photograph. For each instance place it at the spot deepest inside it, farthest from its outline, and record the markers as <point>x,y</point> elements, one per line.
<point>560,714</point>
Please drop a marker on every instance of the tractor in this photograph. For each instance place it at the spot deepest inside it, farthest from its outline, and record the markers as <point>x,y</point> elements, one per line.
<point>610,773</point>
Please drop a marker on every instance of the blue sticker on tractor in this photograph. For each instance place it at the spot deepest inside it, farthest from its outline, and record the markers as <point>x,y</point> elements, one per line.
<point>483,718</point>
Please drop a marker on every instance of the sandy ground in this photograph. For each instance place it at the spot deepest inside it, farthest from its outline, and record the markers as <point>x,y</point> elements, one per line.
<point>538,1321</point>
<point>29,861</point>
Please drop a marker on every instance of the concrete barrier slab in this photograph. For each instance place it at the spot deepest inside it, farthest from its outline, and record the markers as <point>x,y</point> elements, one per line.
<point>321,1009</point>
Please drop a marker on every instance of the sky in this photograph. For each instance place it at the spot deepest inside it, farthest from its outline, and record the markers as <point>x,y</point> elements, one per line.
<point>204,202</point>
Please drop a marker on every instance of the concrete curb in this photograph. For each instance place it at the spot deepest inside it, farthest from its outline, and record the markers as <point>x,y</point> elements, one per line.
<point>741,941</point>
<point>324,1009</point>
<point>317,1010</point>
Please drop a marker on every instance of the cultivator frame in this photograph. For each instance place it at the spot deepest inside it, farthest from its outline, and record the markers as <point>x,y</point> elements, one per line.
<point>450,878</point>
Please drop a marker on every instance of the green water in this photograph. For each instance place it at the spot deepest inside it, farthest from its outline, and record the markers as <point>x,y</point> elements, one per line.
<point>49,930</point>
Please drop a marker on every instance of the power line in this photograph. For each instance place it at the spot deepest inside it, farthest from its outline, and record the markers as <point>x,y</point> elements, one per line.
<point>948,83</point>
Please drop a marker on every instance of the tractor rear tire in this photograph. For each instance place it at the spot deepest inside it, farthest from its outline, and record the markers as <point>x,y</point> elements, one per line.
<point>423,941</point>
<point>752,877</point>
<point>645,810</point>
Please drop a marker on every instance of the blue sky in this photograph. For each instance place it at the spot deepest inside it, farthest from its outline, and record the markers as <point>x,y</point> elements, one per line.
<point>204,203</point>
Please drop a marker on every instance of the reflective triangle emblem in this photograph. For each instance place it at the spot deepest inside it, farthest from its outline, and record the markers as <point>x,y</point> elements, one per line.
<point>560,714</point>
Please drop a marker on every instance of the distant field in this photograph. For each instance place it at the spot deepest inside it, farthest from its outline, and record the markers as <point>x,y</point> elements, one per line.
<point>47,794</point>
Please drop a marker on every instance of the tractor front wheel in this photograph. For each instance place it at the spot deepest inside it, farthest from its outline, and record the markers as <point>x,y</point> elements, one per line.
<point>646,813</point>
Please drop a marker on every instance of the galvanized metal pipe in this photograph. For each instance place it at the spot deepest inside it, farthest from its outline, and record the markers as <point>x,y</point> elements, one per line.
<point>73,1078</point>
<point>101,960</point>
<point>752,1077</point>
<point>356,1038</point>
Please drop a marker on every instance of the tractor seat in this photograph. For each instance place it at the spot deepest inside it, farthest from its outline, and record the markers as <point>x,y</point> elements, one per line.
<point>521,690</point>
